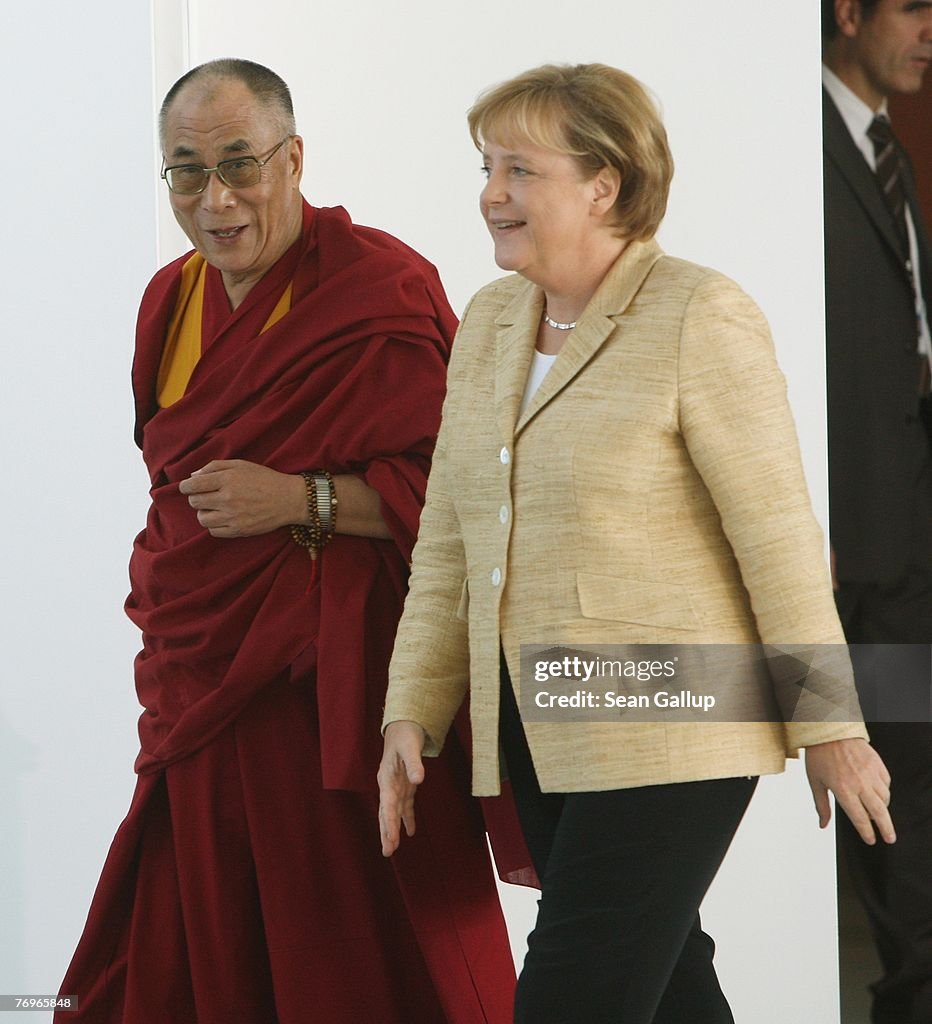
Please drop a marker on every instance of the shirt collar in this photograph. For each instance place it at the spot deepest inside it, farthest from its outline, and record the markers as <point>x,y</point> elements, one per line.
<point>856,114</point>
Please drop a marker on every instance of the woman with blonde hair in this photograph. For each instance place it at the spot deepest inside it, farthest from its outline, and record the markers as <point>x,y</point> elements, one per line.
<point>617,464</point>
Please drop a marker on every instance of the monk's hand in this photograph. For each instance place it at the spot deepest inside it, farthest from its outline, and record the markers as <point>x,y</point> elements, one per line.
<point>854,772</point>
<point>400,773</point>
<point>234,498</point>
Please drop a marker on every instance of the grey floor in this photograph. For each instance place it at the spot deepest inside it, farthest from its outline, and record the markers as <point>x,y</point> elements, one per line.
<point>858,964</point>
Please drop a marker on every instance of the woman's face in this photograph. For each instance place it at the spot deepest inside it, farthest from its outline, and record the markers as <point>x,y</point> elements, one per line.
<point>542,213</point>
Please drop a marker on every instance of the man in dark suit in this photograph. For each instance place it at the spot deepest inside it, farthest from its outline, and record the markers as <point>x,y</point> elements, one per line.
<point>878,279</point>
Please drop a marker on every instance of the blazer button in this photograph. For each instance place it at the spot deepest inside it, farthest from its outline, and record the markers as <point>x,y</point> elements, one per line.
<point>496,576</point>
<point>505,456</point>
<point>503,514</point>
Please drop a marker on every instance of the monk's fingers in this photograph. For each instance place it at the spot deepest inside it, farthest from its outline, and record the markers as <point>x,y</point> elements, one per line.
<point>219,508</point>
<point>201,482</point>
<point>219,524</point>
<point>212,519</point>
<point>204,499</point>
<point>217,466</point>
<point>224,474</point>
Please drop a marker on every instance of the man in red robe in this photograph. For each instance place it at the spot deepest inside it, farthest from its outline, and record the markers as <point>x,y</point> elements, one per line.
<point>288,380</point>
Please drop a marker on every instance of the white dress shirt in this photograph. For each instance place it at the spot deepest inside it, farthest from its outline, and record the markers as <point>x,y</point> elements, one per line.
<point>540,367</point>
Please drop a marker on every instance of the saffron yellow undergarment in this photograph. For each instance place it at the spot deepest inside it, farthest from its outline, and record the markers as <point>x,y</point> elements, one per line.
<point>183,337</point>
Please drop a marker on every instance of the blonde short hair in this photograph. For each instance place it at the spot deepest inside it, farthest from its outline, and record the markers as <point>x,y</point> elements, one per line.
<point>601,116</point>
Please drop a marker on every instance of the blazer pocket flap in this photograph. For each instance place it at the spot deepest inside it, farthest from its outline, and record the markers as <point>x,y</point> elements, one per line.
<point>645,602</point>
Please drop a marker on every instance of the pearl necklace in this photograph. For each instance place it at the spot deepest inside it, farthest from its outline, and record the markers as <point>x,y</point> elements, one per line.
<point>556,324</point>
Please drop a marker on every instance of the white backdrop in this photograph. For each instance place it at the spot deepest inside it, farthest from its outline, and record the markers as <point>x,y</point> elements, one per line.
<point>79,244</point>
<point>380,89</point>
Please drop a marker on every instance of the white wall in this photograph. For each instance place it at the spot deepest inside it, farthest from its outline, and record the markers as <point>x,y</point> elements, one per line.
<point>79,244</point>
<point>381,88</point>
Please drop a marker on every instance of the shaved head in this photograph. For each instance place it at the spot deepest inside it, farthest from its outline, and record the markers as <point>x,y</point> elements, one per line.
<point>268,88</point>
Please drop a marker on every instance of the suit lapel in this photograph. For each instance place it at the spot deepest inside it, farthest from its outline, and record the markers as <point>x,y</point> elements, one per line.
<point>514,347</point>
<point>595,325</point>
<point>843,152</point>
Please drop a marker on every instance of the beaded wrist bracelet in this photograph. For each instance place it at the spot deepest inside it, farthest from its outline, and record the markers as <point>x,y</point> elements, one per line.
<point>321,511</point>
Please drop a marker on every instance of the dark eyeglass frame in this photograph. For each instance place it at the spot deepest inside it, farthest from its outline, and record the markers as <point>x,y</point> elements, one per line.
<point>260,162</point>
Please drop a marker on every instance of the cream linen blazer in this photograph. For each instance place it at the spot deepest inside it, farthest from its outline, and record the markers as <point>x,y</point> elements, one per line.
<point>651,492</point>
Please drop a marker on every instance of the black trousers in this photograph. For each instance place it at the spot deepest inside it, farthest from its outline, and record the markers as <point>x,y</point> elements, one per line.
<point>618,938</point>
<point>894,883</point>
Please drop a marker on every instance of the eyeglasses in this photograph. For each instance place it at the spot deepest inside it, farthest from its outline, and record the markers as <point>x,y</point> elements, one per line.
<point>237,172</point>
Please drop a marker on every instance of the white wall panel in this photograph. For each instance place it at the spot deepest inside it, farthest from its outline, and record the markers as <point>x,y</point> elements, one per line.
<point>79,245</point>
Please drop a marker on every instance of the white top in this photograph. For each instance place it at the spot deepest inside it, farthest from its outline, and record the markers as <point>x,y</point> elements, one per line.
<point>858,116</point>
<point>540,367</point>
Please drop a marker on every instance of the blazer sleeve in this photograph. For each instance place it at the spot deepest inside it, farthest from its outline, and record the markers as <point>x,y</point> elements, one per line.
<point>737,425</point>
<point>429,671</point>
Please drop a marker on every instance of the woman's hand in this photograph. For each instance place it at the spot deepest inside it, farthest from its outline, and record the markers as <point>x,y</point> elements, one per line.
<point>400,773</point>
<point>234,498</point>
<point>853,771</point>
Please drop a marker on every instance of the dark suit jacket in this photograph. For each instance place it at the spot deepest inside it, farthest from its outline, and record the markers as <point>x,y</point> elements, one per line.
<point>878,447</point>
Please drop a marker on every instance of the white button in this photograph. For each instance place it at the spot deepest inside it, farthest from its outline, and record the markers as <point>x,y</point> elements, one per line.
<point>496,576</point>
<point>505,456</point>
<point>503,514</point>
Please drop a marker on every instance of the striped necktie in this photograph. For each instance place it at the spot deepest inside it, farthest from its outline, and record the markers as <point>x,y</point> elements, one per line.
<point>889,172</point>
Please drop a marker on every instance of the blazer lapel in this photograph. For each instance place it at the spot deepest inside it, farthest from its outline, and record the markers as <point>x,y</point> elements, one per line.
<point>842,150</point>
<point>597,322</point>
<point>514,346</point>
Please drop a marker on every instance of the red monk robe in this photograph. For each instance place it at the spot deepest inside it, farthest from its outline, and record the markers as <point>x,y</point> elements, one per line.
<point>246,885</point>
